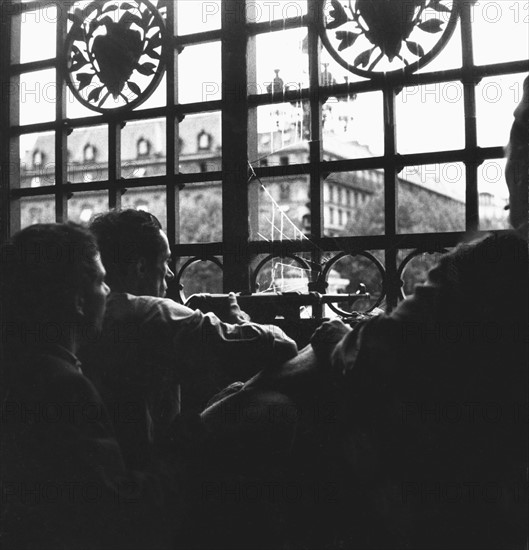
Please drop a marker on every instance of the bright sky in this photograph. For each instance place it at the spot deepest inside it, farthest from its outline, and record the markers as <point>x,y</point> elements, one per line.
<point>428,118</point>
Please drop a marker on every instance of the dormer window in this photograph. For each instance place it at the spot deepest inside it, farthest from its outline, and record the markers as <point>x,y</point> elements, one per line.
<point>143,148</point>
<point>35,215</point>
<point>142,205</point>
<point>284,192</point>
<point>87,211</point>
<point>204,141</point>
<point>38,158</point>
<point>485,199</point>
<point>89,153</point>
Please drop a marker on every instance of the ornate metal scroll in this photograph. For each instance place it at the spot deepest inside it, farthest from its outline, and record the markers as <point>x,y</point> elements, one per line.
<point>417,253</point>
<point>374,37</point>
<point>180,275</point>
<point>114,52</point>
<point>378,265</point>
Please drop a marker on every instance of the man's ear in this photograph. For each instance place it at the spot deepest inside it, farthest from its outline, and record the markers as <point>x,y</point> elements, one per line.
<point>79,304</point>
<point>140,267</point>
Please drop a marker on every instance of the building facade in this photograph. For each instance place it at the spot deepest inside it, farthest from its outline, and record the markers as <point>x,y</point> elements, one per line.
<point>284,201</point>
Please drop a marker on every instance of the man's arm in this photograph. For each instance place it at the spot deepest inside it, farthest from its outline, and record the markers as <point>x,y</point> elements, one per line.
<point>201,351</point>
<point>194,335</point>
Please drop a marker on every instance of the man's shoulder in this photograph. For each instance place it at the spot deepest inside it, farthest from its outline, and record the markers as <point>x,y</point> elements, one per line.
<point>51,384</point>
<point>64,379</point>
<point>123,306</point>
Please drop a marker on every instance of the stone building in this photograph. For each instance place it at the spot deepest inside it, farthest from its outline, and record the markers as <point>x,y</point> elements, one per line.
<point>283,201</point>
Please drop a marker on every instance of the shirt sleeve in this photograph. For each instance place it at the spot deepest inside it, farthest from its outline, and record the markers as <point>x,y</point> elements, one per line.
<point>198,341</point>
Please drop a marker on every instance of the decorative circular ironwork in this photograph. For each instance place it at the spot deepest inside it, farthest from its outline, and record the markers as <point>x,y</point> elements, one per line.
<point>408,259</point>
<point>181,297</point>
<point>302,263</point>
<point>328,266</point>
<point>372,38</point>
<point>114,53</point>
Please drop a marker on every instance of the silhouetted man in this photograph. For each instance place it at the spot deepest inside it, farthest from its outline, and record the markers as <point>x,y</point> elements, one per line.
<point>436,394</point>
<point>64,484</point>
<point>150,344</point>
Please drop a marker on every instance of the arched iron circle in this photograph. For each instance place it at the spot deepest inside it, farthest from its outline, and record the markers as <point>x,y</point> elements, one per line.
<point>413,254</point>
<point>263,262</point>
<point>155,80</point>
<point>411,68</point>
<point>187,264</point>
<point>328,266</point>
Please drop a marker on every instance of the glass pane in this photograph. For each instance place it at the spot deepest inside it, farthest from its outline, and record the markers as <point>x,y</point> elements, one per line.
<point>88,154</point>
<point>283,209</point>
<point>493,195</point>
<point>198,15</point>
<point>264,11</point>
<point>199,73</point>
<point>282,61</point>
<point>281,275</point>
<point>37,95</point>
<point>37,34</point>
<point>416,270</point>
<point>74,109</point>
<point>283,131</point>
<point>354,203</point>
<point>500,31</point>
<point>430,118</point>
<point>150,199</point>
<point>450,57</point>
<point>83,207</point>
<point>144,148</point>
<point>199,277</point>
<point>339,73</point>
<point>201,213</point>
<point>496,99</point>
<point>346,276</point>
<point>158,97</point>
<point>353,126</point>
<point>201,143</point>
<point>431,198</point>
<point>37,162</point>
<point>36,210</point>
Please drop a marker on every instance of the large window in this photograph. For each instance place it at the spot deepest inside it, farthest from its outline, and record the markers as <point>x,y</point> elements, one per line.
<point>296,132</point>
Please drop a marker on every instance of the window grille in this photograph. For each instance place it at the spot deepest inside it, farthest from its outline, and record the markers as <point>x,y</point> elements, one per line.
<point>427,116</point>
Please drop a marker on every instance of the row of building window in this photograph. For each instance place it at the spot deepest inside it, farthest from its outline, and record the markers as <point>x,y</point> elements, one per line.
<point>143,150</point>
<point>336,217</point>
<point>336,194</point>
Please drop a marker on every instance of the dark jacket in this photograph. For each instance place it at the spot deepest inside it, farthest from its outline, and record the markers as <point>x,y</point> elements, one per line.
<point>436,399</point>
<point>63,481</point>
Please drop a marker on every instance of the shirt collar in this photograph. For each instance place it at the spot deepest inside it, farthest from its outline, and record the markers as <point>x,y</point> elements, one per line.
<point>65,354</point>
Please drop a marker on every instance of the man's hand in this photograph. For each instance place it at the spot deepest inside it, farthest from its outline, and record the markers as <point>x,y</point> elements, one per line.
<point>325,338</point>
<point>235,315</point>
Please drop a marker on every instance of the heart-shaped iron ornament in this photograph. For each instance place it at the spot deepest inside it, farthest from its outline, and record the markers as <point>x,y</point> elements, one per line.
<point>115,53</point>
<point>372,38</point>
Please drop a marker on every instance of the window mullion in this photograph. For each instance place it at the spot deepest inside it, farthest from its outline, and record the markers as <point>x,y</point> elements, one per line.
<point>253,153</point>
<point>172,130</point>
<point>469,82</point>
<point>9,116</point>
<point>114,164</point>
<point>315,145</point>
<point>390,197</point>
<point>235,209</point>
<point>61,131</point>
